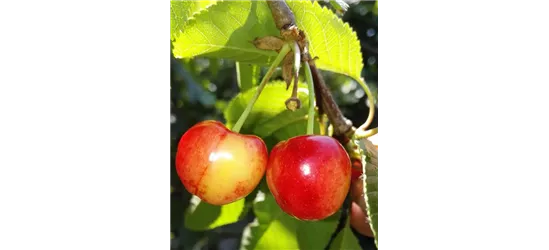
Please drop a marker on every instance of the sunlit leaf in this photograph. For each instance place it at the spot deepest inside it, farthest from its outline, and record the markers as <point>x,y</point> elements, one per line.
<point>274,229</point>
<point>345,239</point>
<point>269,113</point>
<point>182,11</point>
<point>201,216</point>
<point>247,75</point>
<point>331,39</point>
<point>226,29</point>
<point>339,5</point>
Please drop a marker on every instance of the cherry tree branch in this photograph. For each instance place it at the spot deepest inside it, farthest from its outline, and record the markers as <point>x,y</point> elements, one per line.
<point>344,131</point>
<point>285,21</point>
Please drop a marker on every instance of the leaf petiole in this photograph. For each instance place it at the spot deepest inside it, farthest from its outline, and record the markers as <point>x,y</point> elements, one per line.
<point>238,125</point>
<point>361,132</point>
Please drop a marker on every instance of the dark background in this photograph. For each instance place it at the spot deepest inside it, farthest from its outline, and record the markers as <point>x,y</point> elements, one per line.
<point>201,88</point>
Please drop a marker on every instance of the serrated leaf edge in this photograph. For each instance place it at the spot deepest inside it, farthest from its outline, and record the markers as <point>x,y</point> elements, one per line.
<point>176,34</point>
<point>259,52</point>
<point>355,40</point>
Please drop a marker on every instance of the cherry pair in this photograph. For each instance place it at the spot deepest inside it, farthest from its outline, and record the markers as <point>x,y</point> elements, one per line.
<point>309,175</point>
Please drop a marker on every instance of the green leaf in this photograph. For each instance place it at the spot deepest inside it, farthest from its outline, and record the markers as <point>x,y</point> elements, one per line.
<point>269,113</point>
<point>370,163</point>
<point>247,75</point>
<point>295,129</point>
<point>339,5</point>
<point>345,239</point>
<point>226,29</point>
<point>274,229</point>
<point>332,40</point>
<point>201,216</point>
<point>182,11</point>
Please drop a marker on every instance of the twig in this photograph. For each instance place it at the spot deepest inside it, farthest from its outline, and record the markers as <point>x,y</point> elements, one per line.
<point>342,125</point>
<point>285,21</point>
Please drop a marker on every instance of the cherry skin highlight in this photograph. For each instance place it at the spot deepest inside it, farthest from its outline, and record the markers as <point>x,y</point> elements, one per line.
<point>309,176</point>
<point>218,165</point>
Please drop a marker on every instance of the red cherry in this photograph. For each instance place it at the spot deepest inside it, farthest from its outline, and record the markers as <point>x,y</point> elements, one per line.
<point>218,165</point>
<point>309,176</point>
<point>356,169</point>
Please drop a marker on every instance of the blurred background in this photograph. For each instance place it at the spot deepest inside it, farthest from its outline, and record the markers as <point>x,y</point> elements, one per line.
<point>200,90</point>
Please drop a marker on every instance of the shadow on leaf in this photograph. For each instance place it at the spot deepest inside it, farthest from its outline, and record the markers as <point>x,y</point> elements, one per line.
<point>201,216</point>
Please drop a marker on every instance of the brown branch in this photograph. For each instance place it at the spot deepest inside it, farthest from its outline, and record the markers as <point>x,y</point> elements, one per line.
<point>285,22</point>
<point>282,15</point>
<point>343,128</point>
<point>342,125</point>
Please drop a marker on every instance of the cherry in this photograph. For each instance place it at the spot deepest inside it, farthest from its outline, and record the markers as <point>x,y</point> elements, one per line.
<point>356,169</point>
<point>218,165</point>
<point>309,176</point>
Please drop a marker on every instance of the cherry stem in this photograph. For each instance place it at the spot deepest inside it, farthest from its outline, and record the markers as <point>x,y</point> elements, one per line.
<point>361,131</point>
<point>340,124</point>
<point>312,99</point>
<point>238,125</point>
